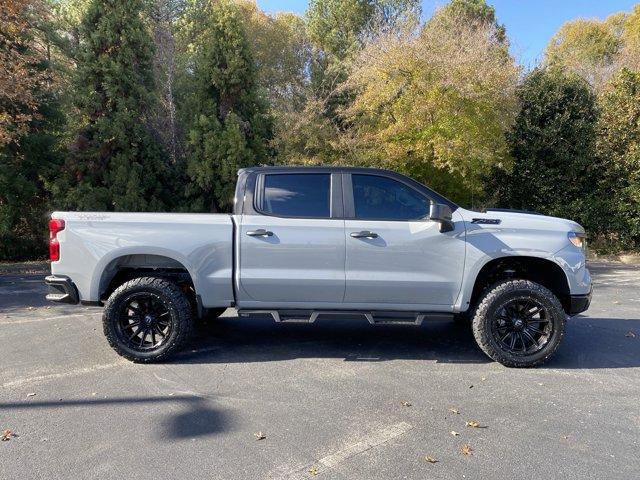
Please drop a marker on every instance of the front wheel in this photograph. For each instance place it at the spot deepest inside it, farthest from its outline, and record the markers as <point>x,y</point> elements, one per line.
<point>519,323</point>
<point>147,319</point>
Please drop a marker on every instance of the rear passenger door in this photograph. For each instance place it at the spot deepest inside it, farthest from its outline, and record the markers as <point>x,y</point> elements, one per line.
<point>292,248</point>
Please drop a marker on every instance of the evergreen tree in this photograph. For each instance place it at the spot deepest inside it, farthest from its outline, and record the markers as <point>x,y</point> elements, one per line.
<point>114,162</point>
<point>615,205</point>
<point>552,144</point>
<point>228,124</point>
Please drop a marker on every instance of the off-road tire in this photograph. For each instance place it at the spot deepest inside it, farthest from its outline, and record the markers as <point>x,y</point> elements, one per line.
<point>500,293</point>
<point>178,304</point>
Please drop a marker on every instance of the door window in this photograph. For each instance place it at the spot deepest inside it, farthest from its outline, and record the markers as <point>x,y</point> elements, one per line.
<point>381,198</point>
<point>297,195</point>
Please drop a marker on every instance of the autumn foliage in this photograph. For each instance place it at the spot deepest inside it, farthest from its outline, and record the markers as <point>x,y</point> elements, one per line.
<point>153,105</point>
<point>21,79</point>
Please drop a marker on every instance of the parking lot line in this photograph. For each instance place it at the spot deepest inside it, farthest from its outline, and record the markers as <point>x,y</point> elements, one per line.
<point>373,440</point>
<point>42,319</point>
<point>69,373</point>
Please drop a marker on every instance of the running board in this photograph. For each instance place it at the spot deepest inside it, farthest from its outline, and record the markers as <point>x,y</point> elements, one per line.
<point>373,317</point>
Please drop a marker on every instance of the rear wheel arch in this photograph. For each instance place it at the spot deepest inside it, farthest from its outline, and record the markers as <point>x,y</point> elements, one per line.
<point>126,267</point>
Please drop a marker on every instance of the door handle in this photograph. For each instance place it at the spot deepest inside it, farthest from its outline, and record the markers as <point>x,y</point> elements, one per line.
<point>261,232</point>
<point>364,234</point>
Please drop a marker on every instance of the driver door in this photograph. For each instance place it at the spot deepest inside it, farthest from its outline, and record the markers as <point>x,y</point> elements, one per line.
<point>395,255</point>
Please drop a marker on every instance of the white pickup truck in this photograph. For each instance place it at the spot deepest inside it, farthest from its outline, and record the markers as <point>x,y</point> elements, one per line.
<point>305,242</point>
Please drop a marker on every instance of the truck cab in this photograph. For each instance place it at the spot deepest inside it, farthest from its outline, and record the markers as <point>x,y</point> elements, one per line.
<point>345,238</point>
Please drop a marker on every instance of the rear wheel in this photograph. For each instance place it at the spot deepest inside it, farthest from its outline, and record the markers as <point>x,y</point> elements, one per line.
<point>519,323</point>
<point>147,319</point>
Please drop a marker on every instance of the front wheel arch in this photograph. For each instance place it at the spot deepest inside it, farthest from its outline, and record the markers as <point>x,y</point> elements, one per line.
<point>542,271</point>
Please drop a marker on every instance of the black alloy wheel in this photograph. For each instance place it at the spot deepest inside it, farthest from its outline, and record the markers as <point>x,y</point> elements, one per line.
<point>144,322</point>
<point>518,323</point>
<point>148,319</point>
<point>522,326</point>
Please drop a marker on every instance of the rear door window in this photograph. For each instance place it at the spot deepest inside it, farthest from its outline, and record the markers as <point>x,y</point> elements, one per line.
<point>305,195</point>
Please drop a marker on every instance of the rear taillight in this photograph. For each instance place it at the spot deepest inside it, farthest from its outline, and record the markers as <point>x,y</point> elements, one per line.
<point>55,225</point>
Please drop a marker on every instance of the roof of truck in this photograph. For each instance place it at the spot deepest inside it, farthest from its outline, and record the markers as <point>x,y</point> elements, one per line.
<point>315,168</point>
<point>354,170</point>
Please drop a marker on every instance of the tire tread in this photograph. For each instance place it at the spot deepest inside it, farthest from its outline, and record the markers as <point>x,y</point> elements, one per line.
<point>183,324</point>
<point>480,325</point>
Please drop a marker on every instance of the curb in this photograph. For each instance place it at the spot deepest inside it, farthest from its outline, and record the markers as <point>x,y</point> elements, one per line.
<point>25,267</point>
<point>625,258</point>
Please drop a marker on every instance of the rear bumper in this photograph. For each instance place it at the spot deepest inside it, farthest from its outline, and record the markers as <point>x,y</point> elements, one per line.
<point>61,290</point>
<point>579,303</point>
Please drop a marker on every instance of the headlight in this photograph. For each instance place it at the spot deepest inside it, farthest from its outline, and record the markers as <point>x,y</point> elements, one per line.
<point>578,239</point>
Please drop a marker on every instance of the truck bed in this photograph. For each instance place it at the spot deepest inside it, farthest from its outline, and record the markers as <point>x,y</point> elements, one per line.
<point>94,245</point>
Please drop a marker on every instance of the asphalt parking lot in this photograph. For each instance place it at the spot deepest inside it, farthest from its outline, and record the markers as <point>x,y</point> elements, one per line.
<point>338,399</point>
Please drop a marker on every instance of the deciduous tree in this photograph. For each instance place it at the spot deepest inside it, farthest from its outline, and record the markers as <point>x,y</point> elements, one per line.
<point>20,77</point>
<point>30,126</point>
<point>338,30</point>
<point>597,49</point>
<point>281,51</point>
<point>435,104</point>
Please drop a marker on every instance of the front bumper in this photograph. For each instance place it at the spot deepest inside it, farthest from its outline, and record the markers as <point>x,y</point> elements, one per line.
<point>579,303</point>
<point>61,290</point>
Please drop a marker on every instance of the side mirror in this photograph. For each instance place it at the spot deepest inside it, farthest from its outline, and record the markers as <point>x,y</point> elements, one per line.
<point>442,214</point>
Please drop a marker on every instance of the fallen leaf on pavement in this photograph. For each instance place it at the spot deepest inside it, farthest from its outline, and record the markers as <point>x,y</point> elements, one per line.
<point>630,334</point>
<point>454,410</point>
<point>466,450</point>
<point>454,433</point>
<point>406,404</point>
<point>430,459</point>
<point>474,424</point>
<point>260,436</point>
<point>6,435</point>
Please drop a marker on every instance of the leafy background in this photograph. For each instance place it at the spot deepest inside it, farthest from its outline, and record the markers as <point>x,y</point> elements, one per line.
<point>153,105</point>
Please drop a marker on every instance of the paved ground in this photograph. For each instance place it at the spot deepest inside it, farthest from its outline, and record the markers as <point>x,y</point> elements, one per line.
<point>329,398</point>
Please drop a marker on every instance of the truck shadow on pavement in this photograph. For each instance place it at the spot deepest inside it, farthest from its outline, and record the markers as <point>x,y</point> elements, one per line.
<point>592,342</point>
<point>240,340</point>
<point>197,418</point>
<point>588,342</point>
